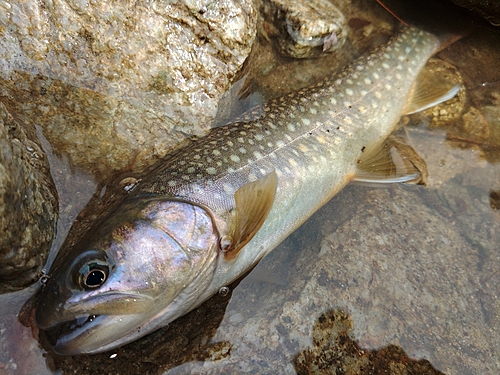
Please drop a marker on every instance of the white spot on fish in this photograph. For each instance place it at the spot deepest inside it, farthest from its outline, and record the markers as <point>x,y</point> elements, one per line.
<point>320,139</point>
<point>385,66</point>
<point>235,158</point>
<point>313,110</point>
<point>257,154</point>
<point>378,95</point>
<point>349,92</point>
<point>306,121</point>
<point>291,127</point>
<point>347,120</point>
<point>333,101</point>
<point>228,189</point>
<point>242,150</point>
<point>172,183</point>
<point>211,170</point>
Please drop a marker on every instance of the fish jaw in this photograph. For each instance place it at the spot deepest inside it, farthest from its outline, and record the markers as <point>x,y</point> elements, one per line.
<point>157,258</point>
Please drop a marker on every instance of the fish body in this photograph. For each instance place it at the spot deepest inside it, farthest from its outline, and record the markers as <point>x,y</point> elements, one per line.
<point>211,212</point>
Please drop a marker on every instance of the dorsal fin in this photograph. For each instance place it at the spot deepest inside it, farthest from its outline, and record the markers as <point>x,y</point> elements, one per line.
<point>393,161</point>
<point>253,203</point>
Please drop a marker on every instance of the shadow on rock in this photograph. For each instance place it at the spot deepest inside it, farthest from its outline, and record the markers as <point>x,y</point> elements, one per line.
<point>335,351</point>
<point>186,339</point>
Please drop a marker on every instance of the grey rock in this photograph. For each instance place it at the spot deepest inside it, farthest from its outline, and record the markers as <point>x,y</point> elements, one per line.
<point>118,85</point>
<point>28,205</point>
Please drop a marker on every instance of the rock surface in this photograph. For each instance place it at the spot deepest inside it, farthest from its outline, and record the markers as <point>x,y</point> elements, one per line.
<point>306,28</point>
<point>28,205</point>
<point>489,9</point>
<point>118,85</point>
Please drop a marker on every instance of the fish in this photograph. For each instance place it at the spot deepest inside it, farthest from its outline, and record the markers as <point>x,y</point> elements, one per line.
<point>211,212</point>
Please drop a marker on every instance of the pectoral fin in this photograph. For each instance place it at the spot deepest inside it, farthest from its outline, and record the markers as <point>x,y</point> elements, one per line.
<point>429,89</point>
<point>394,161</point>
<point>253,203</point>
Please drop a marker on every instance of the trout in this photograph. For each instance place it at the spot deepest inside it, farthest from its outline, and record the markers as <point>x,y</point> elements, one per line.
<point>211,212</point>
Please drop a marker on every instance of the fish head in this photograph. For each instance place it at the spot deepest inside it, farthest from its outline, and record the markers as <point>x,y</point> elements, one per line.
<point>144,266</point>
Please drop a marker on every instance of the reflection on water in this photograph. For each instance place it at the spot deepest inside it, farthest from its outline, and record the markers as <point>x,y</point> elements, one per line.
<point>401,278</point>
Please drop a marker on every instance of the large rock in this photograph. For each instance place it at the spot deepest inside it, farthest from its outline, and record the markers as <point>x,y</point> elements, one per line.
<point>117,85</point>
<point>28,205</point>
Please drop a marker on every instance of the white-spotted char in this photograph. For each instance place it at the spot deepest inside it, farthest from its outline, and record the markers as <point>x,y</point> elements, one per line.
<point>209,213</point>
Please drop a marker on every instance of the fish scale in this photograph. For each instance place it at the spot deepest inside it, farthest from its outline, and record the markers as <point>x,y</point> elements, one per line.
<point>308,131</point>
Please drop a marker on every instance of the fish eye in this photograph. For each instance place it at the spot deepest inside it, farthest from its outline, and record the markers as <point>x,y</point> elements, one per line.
<point>93,274</point>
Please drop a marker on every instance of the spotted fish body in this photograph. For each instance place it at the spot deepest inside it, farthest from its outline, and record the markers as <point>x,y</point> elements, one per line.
<point>312,138</point>
<point>189,228</point>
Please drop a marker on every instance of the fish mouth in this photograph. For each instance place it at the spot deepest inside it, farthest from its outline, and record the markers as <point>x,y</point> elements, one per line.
<point>62,336</point>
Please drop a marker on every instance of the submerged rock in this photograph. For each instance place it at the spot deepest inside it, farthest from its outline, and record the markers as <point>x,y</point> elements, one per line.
<point>487,8</point>
<point>117,85</point>
<point>28,205</point>
<point>307,28</point>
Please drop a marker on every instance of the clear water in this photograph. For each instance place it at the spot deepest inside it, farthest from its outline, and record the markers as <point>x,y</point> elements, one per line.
<point>377,279</point>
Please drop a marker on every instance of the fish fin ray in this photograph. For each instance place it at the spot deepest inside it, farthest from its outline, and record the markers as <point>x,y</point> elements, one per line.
<point>253,203</point>
<point>393,161</point>
<point>429,89</point>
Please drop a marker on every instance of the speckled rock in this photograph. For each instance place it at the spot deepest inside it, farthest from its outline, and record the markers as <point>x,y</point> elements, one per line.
<point>117,85</point>
<point>306,28</point>
<point>28,205</point>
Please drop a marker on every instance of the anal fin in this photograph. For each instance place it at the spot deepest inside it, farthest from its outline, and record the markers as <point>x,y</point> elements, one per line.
<point>393,161</point>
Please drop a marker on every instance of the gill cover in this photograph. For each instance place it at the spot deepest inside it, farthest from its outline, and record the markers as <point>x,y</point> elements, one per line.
<point>143,267</point>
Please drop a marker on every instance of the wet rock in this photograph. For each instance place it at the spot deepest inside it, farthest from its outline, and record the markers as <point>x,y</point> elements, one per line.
<point>306,28</point>
<point>28,205</point>
<point>116,86</point>
<point>336,351</point>
<point>486,8</point>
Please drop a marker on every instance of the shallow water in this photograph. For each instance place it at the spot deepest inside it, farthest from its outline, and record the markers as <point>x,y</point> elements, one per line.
<point>378,278</point>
